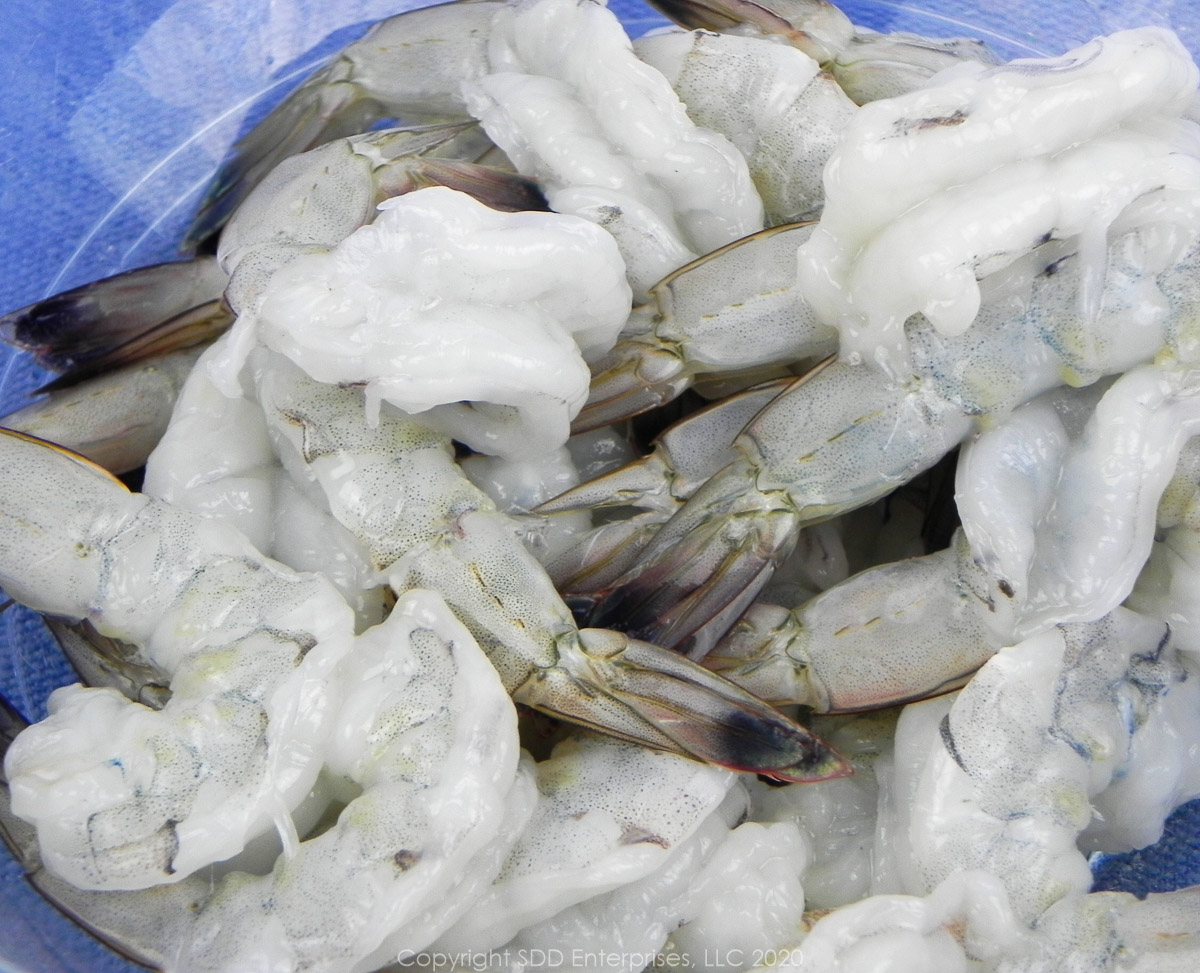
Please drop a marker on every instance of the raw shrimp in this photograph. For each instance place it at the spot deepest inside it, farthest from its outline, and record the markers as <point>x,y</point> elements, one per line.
<point>500,365</point>
<point>1064,538</point>
<point>746,898</point>
<point>868,66</point>
<point>216,460</point>
<point>844,435</point>
<point>1167,587</point>
<point>993,788</point>
<point>123,347</point>
<point>497,61</point>
<point>123,796</point>
<point>966,925</point>
<point>397,488</point>
<point>409,66</point>
<point>1047,514</point>
<point>931,192</point>
<point>735,311</point>
<point>114,420</point>
<point>606,137</point>
<point>625,929</point>
<point>608,814</point>
<point>215,457</point>
<point>1037,736</point>
<point>101,661</point>
<point>411,832</point>
<point>876,66</point>
<point>122,319</point>
<point>773,102</point>
<point>313,201</point>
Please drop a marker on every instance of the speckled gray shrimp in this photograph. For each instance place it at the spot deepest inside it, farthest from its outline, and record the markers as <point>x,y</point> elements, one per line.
<point>1058,522</point>
<point>772,101</point>
<point>843,436</point>
<point>397,488</point>
<point>734,312</point>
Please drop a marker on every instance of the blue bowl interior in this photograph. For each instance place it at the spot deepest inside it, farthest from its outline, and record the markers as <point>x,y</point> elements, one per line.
<point>117,115</point>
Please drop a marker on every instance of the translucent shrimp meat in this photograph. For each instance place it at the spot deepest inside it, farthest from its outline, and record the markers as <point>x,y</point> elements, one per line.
<point>773,102</point>
<point>412,832</point>
<point>626,929</point>
<point>443,301</point>
<point>603,133</point>
<point>1045,727</point>
<point>124,796</point>
<point>608,814</point>
<point>1067,541</point>
<point>216,460</point>
<point>215,457</point>
<point>932,190</point>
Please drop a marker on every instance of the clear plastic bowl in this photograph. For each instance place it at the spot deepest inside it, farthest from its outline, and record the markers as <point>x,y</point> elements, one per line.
<point>116,114</point>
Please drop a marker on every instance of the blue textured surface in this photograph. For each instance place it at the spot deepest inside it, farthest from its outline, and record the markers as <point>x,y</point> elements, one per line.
<point>116,113</point>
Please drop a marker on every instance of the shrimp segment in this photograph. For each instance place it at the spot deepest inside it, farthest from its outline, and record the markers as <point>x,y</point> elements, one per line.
<point>732,311</point>
<point>772,101</point>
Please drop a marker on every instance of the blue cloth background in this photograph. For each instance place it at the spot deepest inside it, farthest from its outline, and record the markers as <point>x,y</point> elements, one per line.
<point>116,113</point>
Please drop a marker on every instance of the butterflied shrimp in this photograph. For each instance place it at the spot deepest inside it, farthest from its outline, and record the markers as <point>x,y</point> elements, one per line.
<point>608,814</point>
<point>500,365</point>
<point>931,174</point>
<point>638,916</point>
<point>1013,771</point>
<point>216,460</point>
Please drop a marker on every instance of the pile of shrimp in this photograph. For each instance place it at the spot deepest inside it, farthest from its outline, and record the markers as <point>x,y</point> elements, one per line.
<point>891,626</point>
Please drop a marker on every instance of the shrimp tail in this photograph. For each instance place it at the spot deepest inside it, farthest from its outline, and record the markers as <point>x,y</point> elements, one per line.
<point>651,696</point>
